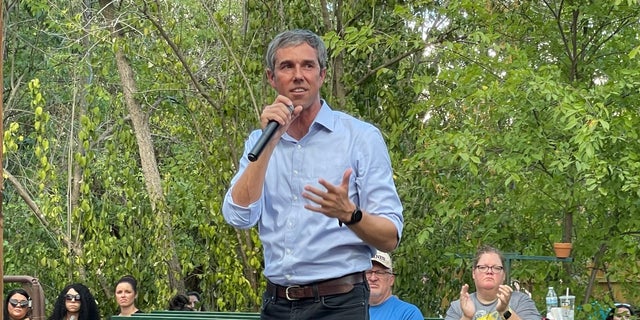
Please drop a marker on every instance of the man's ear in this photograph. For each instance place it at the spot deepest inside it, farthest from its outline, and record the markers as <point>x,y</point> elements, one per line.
<point>270,77</point>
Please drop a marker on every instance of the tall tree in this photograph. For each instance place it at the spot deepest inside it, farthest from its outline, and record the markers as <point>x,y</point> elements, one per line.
<point>528,139</point>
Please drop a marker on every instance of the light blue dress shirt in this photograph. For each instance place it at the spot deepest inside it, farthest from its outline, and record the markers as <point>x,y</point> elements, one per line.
<point>302,246</point>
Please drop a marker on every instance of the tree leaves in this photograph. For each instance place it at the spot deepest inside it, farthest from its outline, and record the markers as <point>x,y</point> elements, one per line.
<point>513,124</point>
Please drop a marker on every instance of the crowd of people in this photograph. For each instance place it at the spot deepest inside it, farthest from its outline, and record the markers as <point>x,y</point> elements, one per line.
<point>75,302</point>
<point>492,300</point>
<point>318,184</point>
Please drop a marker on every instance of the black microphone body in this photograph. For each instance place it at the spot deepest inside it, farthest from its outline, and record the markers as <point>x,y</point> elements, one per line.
<point>267,133</point>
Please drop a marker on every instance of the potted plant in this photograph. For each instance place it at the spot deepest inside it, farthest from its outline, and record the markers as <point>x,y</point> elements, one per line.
<point>562,249</point>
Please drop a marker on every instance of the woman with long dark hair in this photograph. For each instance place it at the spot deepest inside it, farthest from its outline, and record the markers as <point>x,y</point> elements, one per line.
<point>75,302</point>
<point>17,305</point>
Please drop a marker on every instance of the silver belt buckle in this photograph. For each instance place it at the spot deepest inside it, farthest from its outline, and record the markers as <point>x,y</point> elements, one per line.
<point>286,293</point>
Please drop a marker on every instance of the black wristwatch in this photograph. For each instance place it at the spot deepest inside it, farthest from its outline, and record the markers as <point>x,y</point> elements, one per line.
<point>507,314</point>
<point>356,216</point>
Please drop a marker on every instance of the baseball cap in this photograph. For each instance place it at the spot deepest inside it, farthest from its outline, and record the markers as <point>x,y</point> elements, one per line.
<point>384,259</point>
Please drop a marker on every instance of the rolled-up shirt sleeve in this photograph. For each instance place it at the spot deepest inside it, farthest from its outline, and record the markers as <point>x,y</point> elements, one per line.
<point>375,187</point>
<point>239,216</point>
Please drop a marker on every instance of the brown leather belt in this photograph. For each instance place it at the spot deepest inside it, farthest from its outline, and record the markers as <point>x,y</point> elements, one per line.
<point>324,288</point>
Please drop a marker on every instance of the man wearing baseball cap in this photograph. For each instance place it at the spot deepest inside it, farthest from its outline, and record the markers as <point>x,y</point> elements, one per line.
<point>382,303</point>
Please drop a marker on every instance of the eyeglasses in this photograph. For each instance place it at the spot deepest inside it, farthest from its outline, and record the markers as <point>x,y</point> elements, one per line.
<point>494,269</point>
<point>15,303</point>
<point>378,273</point>
<point>72,297</point>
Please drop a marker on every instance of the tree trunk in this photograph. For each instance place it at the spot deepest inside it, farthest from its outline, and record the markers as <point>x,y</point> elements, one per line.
<point>594,272</point>
<point>164,240</point>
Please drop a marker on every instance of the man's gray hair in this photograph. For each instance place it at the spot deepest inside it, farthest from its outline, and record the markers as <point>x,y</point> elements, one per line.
<point>294,38</point>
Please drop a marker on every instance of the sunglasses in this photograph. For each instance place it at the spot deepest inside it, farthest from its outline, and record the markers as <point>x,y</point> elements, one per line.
<point>22,304</point>
<point>72,297</point>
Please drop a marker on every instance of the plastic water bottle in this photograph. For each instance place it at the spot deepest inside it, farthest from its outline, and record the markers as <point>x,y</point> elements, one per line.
<point>552,301</point>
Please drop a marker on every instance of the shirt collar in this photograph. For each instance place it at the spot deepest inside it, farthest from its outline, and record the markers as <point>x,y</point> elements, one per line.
<point>324,117</point>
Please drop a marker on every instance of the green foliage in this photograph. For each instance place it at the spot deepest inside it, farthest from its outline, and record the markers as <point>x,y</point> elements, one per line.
<point>512,123</point>
<point>513,140</point>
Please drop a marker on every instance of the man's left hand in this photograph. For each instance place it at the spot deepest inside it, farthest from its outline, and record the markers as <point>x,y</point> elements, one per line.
<point>334,201</point>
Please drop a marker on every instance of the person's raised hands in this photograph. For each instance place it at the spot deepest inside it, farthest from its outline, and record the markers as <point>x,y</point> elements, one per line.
<point>466,304</point>
<point>504,296</point>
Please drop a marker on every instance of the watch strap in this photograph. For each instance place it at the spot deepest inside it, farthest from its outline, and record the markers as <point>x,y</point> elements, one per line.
<point>356,216</point>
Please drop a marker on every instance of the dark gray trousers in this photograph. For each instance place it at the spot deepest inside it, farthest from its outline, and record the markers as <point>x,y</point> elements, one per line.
<point>353,305</point>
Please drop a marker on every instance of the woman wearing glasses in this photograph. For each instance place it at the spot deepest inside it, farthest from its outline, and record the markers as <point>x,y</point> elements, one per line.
<point>492,300</point>
<point>75,302</point>
<point>17,305</point>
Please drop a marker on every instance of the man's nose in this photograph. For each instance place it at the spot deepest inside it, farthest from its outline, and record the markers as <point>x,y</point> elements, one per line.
<point>297,73</point>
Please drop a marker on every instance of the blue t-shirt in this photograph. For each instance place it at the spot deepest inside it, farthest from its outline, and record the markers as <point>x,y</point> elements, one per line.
<point>395,309</point>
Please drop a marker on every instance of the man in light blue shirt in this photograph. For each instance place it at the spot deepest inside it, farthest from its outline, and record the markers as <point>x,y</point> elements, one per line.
<point>321,192</point>
<point>383,304</point>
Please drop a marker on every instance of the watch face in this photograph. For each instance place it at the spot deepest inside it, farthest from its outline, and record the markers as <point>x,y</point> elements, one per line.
<point>357,216</point>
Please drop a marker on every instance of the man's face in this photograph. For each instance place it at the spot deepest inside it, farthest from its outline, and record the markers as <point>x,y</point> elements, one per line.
<point>380,281</point>
<point>297,75</point>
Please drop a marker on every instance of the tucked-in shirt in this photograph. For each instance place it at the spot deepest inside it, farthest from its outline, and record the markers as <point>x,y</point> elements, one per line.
<point>521,303</point>
<point>303,246</point>
<point>395,309</point>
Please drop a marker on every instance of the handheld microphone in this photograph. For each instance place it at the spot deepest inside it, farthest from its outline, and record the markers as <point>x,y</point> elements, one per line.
<point>72,318</point>
<point>267,133</point>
